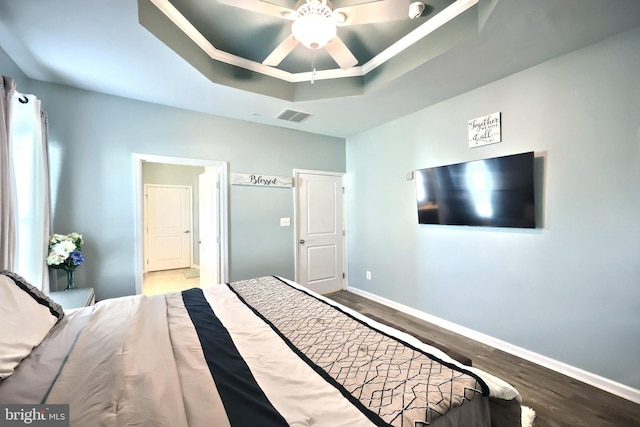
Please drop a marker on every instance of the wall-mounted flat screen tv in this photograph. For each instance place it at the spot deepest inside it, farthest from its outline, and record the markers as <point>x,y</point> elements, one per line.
<point>495,192</point>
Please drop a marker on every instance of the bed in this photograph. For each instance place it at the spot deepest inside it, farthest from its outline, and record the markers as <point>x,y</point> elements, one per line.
<point>264,351</point>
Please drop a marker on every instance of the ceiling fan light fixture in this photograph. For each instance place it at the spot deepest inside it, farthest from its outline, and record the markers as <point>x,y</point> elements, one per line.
<point>314,26</point>
<point>415,9</point>
<point>339,17</point>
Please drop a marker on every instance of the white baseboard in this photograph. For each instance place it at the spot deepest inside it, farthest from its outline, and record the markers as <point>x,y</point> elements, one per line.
<point>603,383</point>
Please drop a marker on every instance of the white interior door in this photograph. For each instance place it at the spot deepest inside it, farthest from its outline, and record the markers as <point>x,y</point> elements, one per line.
<point>168,227</point>
<point>209,206</point>
<point>320,231</point>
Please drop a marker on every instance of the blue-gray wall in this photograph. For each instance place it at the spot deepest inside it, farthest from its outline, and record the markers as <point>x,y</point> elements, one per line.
<point>92,140</point>
<point>9,68</point>
<point>569,290</point>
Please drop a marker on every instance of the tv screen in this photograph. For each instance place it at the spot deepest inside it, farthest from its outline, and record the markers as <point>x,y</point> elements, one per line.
<point>496,192</point>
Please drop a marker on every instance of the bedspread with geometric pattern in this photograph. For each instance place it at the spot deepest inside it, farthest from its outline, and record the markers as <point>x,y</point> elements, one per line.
<point>265,352</point>
<point>396,383</point>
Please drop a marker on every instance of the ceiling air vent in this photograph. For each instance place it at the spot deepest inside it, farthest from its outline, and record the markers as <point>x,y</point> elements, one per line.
<point>293,116</point>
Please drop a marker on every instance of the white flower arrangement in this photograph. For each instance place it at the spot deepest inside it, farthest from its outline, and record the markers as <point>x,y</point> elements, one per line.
<point>65,251</point>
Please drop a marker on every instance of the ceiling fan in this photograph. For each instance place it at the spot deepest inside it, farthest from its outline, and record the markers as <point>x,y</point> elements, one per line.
<point>315,23</point>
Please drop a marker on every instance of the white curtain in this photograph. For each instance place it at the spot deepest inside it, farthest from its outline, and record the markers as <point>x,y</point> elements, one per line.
<point>7,187</point>
<point>29,149</point>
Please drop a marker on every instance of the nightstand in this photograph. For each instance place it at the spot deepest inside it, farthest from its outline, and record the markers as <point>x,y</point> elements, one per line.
<point>75,298</point>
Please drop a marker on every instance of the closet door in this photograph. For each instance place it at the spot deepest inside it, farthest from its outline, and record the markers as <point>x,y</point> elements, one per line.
<point>168,227</point>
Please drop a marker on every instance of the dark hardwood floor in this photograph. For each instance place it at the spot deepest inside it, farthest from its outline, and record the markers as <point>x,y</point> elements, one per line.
<point>559,401</point>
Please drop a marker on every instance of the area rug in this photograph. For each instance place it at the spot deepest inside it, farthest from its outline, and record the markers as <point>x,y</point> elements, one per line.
<point>192,273</point>
<point>528,415</point>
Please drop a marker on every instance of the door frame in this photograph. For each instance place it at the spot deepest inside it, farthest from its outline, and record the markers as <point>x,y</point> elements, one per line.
<point>203,238</point>
<point>296,231</point>
<point>138,159</point>
<point>145,219</point>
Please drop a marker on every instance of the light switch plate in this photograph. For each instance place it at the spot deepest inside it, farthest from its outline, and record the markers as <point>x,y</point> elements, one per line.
<point>285,222</point>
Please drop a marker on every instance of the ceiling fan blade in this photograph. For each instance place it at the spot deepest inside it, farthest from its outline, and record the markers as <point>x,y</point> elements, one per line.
<point>376,11</point>
<point>281,52</point>
<point>260,6</point>
<point>341,53</point>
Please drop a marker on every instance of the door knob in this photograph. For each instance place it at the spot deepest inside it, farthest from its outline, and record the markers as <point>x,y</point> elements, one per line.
<point>302,241</point>
<point>186,232</point>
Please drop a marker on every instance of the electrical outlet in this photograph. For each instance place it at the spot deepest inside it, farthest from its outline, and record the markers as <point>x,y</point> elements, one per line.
<point>368,275</point>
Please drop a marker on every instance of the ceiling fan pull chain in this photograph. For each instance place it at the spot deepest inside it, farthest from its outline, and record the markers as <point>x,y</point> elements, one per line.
<point>313,65</point>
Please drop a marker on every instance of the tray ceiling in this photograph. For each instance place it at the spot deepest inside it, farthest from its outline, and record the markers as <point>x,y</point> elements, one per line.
<point>228,41</point>
<point>101,46</point>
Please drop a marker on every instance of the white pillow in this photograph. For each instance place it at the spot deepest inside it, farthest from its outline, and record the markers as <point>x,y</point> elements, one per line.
<point>26,316</point>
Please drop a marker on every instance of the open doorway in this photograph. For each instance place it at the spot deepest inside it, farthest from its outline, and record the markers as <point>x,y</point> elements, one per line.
<point>214,261</point>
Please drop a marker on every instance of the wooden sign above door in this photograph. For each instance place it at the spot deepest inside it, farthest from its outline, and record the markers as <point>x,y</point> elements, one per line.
<point>255,179</point>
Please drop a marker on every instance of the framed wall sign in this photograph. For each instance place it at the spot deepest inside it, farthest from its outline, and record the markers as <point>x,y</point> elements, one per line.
<point>261,180</point>
<point>485,130</point>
